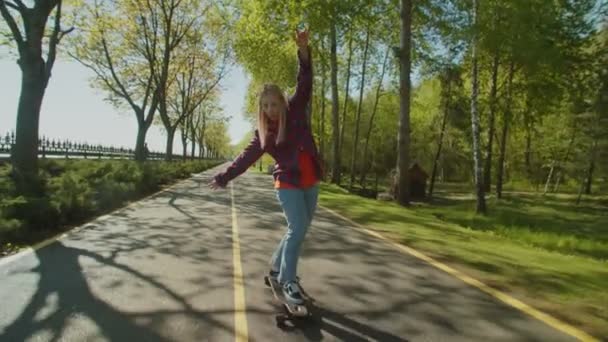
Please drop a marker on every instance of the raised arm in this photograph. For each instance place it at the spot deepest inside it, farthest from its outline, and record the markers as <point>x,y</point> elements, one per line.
<point>304,85</point>
<point>250,155</point>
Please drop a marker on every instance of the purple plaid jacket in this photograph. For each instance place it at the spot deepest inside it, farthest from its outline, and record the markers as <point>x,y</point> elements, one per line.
<point>298,138</point>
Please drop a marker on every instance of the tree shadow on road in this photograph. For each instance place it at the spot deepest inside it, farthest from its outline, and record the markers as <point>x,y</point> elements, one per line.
<point>74,297</point>
<point>343,328</point>
<point>90,277</point>
<point>367,288</point>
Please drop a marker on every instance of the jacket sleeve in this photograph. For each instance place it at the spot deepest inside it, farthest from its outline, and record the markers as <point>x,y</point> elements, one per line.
<point>304,82</point>
<point>248,157</point>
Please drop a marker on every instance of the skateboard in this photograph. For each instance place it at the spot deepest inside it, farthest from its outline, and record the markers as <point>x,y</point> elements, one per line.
<point>292,311</point>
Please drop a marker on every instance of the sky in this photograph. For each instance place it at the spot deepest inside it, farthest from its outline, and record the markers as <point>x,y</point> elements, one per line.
<point>73,110</point>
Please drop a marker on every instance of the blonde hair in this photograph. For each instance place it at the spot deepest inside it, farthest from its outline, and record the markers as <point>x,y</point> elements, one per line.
<point>269,89</point>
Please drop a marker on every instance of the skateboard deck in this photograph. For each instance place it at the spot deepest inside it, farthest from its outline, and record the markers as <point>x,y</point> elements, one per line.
<point>292,310</point>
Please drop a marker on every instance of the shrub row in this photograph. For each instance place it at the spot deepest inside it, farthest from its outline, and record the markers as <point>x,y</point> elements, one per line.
<point>76,190</point>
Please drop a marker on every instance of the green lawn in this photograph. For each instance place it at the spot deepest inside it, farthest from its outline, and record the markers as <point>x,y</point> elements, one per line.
<point>542,250</point>
<point>551,222</point>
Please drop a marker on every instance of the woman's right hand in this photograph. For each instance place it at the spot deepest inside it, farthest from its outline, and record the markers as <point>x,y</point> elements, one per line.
<point>214,185</point>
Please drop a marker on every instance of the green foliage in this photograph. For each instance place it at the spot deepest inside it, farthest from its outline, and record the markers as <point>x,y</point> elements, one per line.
<point>71,196</point>
<point>76,190</point>
<point>8,201</point>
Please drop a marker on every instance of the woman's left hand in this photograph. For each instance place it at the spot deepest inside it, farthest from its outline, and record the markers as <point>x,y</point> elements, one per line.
<point>302,38</point>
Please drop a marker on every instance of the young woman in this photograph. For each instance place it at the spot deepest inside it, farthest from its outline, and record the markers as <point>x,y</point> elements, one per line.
<point>283,132</point>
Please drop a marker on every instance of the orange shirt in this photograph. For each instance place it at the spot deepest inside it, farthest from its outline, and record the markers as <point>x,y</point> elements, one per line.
<point>308,176</point>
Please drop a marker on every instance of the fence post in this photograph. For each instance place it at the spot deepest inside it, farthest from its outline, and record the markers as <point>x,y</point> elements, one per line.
<point>12,143</point>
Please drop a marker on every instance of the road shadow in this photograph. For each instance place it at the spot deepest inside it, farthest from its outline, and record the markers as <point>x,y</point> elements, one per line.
<point>326,323</point>
<point>367,290</point>
<point>90,277</point>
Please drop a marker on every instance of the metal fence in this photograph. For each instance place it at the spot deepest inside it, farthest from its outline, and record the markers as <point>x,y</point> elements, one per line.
<point>53,148</point>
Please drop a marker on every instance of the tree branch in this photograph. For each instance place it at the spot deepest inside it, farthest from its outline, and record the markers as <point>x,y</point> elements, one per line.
<point>11,22</point>
<point>52,54</point>
<point>13,6</point>
<point>123,90</point>
<point>19,4</point>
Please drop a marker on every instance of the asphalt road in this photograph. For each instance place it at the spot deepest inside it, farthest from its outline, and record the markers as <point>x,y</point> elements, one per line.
<point>165,269</point>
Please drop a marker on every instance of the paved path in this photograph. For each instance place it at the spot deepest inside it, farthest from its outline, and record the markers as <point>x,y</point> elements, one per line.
<point>163,269</point>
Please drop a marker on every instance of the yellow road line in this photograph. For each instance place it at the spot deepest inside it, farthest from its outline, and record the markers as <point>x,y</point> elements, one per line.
<point>240,316</point>
<point>547,319</point>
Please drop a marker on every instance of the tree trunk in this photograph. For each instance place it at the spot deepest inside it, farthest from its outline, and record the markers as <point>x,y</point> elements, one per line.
<point>501,157</point>
<point>371,120</point>
<point>184,137</point>
<point>488,162</point>
<point>403,154</point>
<point>528,152</point>
<point>591,168</point>
<point>549,177</point>
<point>568,151</point>
<point>322,125</point>
<point>481,202</point>
<point>193,137</point>
<point>580,192</point>
<point>202,137</point>
<point>33,85</point>
<point>193,151</point>
<point>346,93</point>
<point>162,111</point>
<point>358,119</point>
<point>169,145</point>
<point>586,181</point>
<point>35,75</point>
<point>446,111</point>
<point>336,173</point>
<point>505,130</point>
<point>140,141</point>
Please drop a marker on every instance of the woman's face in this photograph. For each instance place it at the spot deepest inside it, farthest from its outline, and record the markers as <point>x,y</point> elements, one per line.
<point>272,106</point>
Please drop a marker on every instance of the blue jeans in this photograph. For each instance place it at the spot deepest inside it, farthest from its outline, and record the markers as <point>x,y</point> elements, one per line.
<point>299,207</point>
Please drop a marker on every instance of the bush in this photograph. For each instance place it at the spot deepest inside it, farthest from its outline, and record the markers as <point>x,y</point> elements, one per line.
<point>9,225</point>
<point>74,190</point>
<point>71,195</point>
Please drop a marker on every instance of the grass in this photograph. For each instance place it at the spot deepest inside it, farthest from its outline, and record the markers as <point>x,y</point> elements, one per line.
<point>545,251</point>
<point>550,222</point>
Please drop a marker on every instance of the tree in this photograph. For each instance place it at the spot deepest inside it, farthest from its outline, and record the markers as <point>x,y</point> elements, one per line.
<point>481,203</point>
<point>197,68</point>
<point>450,79</point>
<point>404,54</point>
<point>176,19</point>
<point>194,85</point>
<point>348,73</point>
<point>487,179</point>
<point>359,107</point>
<point>371,120</point>
<point>122,47</point>
<point>35,74</point>
<point>335,108</point>
<point>217,141</point>
<point>197,124</point>
<point>595,115</point>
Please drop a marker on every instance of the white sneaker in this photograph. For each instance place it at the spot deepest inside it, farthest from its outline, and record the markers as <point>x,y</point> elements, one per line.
<point>292,292</point>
